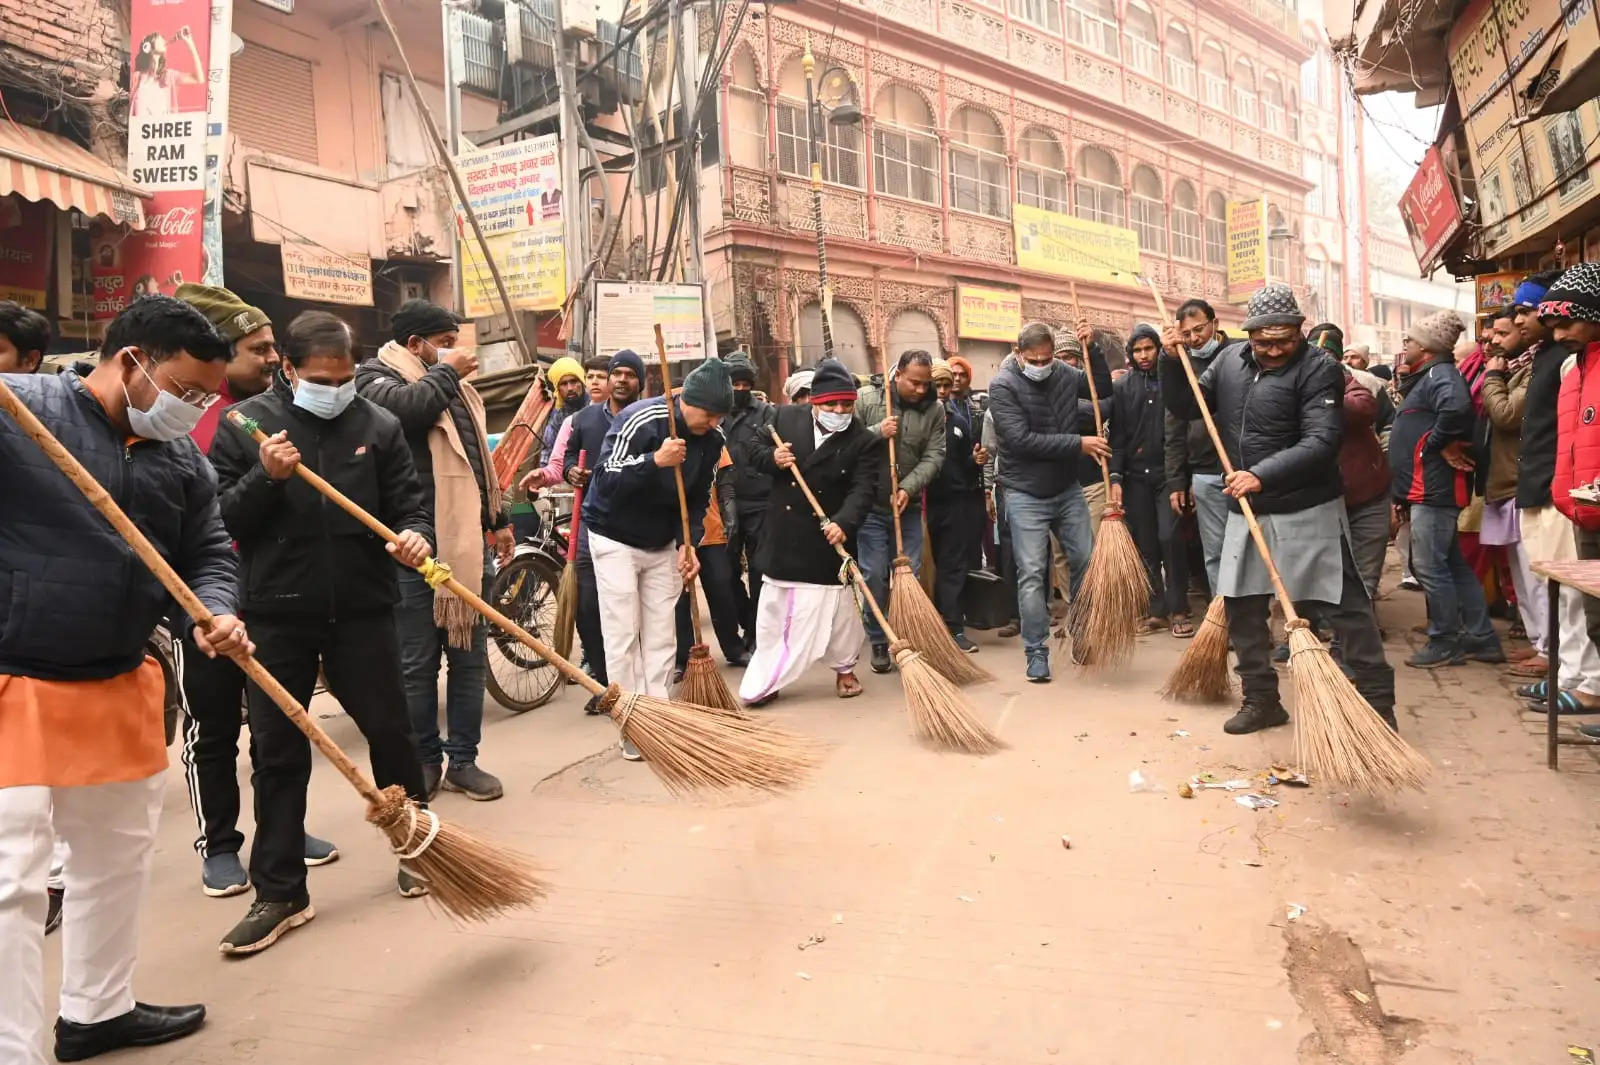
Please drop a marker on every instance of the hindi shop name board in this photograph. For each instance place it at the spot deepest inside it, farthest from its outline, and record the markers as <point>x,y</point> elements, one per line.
<point>312,272</point>
<point>514,186</point>
<point>984,313</point>
<point>1247,248</point>
<point>1050,242</point>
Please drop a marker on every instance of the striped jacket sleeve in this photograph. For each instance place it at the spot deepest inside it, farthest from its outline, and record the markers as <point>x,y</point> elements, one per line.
<point>627,467</point>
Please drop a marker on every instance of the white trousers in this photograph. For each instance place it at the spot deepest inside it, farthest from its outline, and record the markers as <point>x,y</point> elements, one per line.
<point>796,625</point>
<point>638,592</point>
<point>1547,536</point>
<point>109,831</point>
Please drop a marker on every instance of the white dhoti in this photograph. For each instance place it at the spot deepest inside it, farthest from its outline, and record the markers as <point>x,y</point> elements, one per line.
<point>638,592</point>
<point>799,624</point>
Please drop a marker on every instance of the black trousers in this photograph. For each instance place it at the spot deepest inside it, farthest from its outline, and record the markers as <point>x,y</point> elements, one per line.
<point>1354,625</point>
<point>1156,531</point>
<point>361,659</point>
<point>588,619</point>
<point>717,578</point>
<point>212,690</point>
<point>742,545</point>
<point>955,529</point>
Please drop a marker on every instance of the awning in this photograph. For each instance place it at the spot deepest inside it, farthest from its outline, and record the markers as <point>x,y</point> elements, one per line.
<point>43,166</point>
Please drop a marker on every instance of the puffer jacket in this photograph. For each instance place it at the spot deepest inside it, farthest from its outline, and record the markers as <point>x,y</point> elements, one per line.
<point>1284,424</point>
<point>1578,436</point>
<point>1138,420</point>
<point>745,429</point>
<point>1362,463</point>
<point>918,447</point>
<point>1040,425</point>
<point>1188,446</point>
<point>75,601</point>
<point>1504,397</point>
<point>1435,411</point>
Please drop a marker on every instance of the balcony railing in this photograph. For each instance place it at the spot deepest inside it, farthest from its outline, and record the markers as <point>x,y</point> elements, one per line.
<point>1092,32</point>
<point>1214,91</point>
<point>1143,56</point>
<point>1180,75</point>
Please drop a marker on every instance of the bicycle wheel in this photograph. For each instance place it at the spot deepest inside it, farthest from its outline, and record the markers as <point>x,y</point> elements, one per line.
<point>524,591</point>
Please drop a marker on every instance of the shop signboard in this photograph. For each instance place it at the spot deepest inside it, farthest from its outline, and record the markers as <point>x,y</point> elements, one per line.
<point>987,313</point>
<point>626,314</point>
<point>25,232</point>
<point>515,191</point>
<point>1430,211</point>
<point>1054,243</point>
<point>1247,248</point>
<point>312,272</point>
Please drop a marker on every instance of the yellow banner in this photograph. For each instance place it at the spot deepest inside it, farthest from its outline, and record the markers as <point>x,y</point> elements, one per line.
<point>1247,248</point>
<point>984,313</point>
<point>532,262</point>
<point>1055,243</point>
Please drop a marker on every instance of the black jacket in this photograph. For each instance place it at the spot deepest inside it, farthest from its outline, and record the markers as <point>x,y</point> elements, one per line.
<point>1538,466</point>
<point>844,473</point>
<point>1100,369</point>
<point>1435,410</point>
<point>960,478</point>
<point>632,500</point>
<point>75,601</point>
<point>1039,425</point>
<point>1188,446</point>
<point>1138,422</point>
<point>418,405</point>
<point>302,556</point>
<point>744,428</point>
<point>1283,425</point>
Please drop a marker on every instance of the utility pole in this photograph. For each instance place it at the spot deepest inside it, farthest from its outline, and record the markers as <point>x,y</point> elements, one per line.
<point>454,59</point>
<point>688,31</point>
<point>813,129</point>
<point>574,202</point>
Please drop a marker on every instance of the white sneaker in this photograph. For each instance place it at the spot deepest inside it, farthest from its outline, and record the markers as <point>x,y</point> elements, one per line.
<point>630,752</point>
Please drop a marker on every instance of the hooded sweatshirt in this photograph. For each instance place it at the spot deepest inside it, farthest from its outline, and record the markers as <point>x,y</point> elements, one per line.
<point>1138,419</point>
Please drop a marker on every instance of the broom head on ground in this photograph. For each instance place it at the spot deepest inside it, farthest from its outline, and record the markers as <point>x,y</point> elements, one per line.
<point>1114,595</point>
<point>918,621</point>
<point>938,711</point>
<point>1202,673</point>
<point>702,682</point>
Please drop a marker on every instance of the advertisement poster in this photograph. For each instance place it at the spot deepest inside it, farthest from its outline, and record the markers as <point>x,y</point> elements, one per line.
<point>1495,290</point>
<point>1430,211</point>
<point>984,313</point>
<point>515,191</point>
<point>1247,248</point>
<point>1055,243</point>
<point>25,233</point>
<point>626,314</point>
<point>312,272</point>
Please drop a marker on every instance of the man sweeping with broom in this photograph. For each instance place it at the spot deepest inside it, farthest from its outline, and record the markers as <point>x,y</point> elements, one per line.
<point>1285,458</point>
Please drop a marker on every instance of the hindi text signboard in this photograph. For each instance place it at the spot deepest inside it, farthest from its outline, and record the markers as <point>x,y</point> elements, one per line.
<point>1247,248</point>
<point>1054,243</point>
<point>985,313</point>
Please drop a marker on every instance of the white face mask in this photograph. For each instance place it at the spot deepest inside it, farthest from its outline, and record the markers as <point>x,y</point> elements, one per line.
<point>832,421</point>
<point>168,417</point>
<point>1038,373</point>
<point>325,401</point>
<point>1209,347</point>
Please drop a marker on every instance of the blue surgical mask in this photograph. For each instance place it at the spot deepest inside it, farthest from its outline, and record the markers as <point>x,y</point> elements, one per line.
<point>1038,373</point>
<point>168,417</point>
<point>325,401</point>
<point>832,421</point>
<point>1208,348</point>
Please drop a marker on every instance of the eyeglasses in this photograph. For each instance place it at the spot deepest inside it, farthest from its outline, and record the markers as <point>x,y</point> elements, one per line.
<point>1284,345</point>
<point>193,397</point>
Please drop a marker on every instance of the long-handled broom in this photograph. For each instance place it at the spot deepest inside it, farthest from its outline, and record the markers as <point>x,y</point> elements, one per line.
<point>938,711</point>
<point>1338,735</point>
<point>689,747</point>
<point>470,878</point>
<point>1115,592</point>
<point>567,592</point>
<point>702,682</point>
<point>912,612</point>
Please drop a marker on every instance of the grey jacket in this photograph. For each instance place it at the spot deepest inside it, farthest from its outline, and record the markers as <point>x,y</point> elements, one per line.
<point>918,447</point>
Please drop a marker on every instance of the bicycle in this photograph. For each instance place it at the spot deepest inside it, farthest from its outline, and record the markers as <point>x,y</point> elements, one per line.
<point>525,591</point>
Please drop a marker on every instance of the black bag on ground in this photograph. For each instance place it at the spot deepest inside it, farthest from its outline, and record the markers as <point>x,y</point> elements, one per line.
<point>985,603</point>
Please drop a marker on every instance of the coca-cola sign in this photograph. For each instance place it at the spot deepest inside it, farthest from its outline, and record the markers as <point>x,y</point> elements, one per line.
<point>174,222</point>
<point>1430,211</point>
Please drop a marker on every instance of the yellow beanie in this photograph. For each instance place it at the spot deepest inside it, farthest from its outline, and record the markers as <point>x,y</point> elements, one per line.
<point>566,366</point>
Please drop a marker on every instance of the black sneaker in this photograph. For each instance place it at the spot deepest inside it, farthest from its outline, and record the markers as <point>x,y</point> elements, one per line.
<point>1253,717</point>
<point>1281,654</point>
<point>264,925</point>
<point>472,782</point>
<point>142,1026</point>
<point>409,884</point>
<point>52,915</point>
<point>1436,653</point>
<point>1491,653</point>
<point>963,643</point>
<point>432,777</point>
<point>880,658</point>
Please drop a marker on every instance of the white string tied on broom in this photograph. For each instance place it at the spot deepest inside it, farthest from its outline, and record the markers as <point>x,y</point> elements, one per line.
<point>629,701</point>
<point>427,839</point>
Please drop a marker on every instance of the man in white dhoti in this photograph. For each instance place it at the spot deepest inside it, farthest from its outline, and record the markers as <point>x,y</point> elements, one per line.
<point>1285,457</point>
<point>807,612</point>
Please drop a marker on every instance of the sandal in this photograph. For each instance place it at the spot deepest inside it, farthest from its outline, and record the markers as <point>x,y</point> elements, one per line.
<point>1537,666</point>
<point>1566,703</point>
<point>1149,625</point>
<point>846,686</point>
<point>1182,628</point>
<point>1533,692</point>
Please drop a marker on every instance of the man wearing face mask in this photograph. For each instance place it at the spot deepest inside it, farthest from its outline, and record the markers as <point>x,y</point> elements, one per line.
<point>421,378</point>
<point>807,613</point>
<point>1194,473</point>
<point>83,754</point>
<point>319,588</point>
<point>746,427</point>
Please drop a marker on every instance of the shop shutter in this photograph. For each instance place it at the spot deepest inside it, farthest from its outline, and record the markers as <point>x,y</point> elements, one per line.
<point>270,104</point>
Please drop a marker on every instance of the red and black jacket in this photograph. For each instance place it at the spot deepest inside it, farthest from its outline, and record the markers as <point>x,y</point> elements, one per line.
<point>1435,410</point>
<point>1578,435</point>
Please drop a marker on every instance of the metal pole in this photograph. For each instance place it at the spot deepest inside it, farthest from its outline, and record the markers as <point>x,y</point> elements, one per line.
<point>574,204</point>
<point>452,125</point>
<point>687,31</point>
<point>814,150</point>
<point>528,352</point>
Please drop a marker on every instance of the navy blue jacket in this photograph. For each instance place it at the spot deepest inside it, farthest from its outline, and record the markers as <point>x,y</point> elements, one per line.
<point>589,428</point>
<point>632,500</point>
<point>1039,425</point>
<point>1138,425</point>
<point>75,601</point>
<point>1435,410</point>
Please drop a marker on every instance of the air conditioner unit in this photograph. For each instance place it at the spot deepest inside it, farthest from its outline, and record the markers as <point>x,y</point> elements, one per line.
<point>531,33</point>
<point>579,17</point>
<point>482,51</point>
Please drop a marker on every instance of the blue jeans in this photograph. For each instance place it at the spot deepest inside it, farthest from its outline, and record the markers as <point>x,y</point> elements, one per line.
<point>1032,520</point>
<point>875,554</point>
<point>1211,514</point>
<point>1457,613</point>
<point>421,642</point>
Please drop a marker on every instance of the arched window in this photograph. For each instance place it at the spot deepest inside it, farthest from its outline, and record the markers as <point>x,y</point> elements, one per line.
<point>1277,246</point>
<point>1274,115</point>
<point>1144,47</point>
<point>1216,229</point>
<point>1294,114</point>
<point>911,330</point>
<point>849,338</point>
<point>1148,210</point>
<point>1041,171</point>
<point>1214,76</point>
<point>979,178</point>
<point>1093,24</point>
<point>1045,14</point>
<point>1311,170</point>
<point>1097,191</point>
<point>1244,91</point>
<point>841,144</point>
<point>905,153</point>
<point>1185,221</point>
<point>1180,60</point>
<point>747,114</point>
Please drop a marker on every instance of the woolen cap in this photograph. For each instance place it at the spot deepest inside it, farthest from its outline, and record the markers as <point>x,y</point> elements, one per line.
<point>941,371</point>
<point>831,382</point>
<point>627,359</point>
<point>1575,295</point>
<point>1328,337</point>
<point>709,387</point>
<point>1437,332</point>
<point>419,318</point>
<point>1067,341</point>
<point>1272,305</point>
<point>232,317</point>
<point>740,368</point>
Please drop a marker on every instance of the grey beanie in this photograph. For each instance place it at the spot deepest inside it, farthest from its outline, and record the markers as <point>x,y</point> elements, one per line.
<point>709,387</point>
<point>740,368</point>
<point>1272,305</point>
<point>1438,332</point>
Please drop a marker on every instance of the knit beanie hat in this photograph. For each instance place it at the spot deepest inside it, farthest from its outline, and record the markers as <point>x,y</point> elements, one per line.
<point>831,382</point>
<point>627,359</point>
<point>1067,341</point>
<point>740,368</point>
<point>1529,294</point>
<point>709,387</point>
<point>1575,295</point>
<point>419,318</point>
<point>1437,332</point>
<point>564,367</point>
<point>1328,337</point>
<point>232,317</point>
<point>1272,305</point>
<point>941,372</point>
<point>797,382</point>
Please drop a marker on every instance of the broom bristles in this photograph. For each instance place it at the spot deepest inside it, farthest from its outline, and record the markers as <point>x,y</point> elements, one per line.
<point>471,878</point>
<point>938,711</point>
<point>1202,673</point>
<point>916,620</point>
<point>703,685</point>
<point>566,611</point>
<point>1338,735</point>
<point>695,748</point>
<point>1114,595</point>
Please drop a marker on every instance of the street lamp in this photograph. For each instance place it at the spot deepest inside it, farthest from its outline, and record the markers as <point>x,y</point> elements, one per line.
<point>835,103</point>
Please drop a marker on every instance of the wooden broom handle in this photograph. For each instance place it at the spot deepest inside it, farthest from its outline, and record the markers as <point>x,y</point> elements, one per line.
<point>1094,394</point>
<point>175,586</point>
<point>430,568</point>
<point>577,512</point>
<point>894,468</point>
<point>677,477</point>
<point>1227,466</point>
<point>855,570</point>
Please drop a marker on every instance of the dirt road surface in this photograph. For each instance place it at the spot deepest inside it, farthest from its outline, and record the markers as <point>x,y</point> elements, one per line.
<point>917,908</point>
